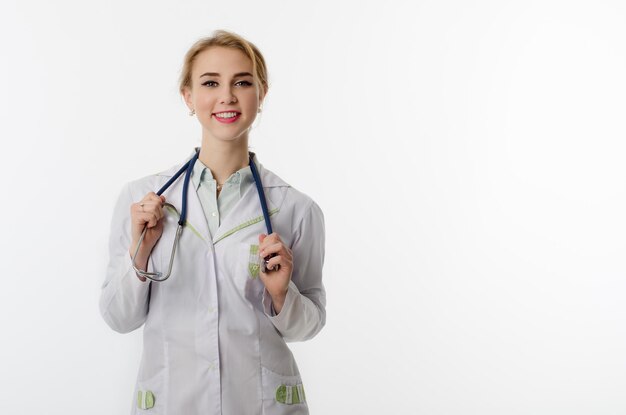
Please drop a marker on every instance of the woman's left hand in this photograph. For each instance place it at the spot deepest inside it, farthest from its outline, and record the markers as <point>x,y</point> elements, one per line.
<point>276,282</point>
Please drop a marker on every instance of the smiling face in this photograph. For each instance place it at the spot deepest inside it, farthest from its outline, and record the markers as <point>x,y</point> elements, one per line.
<point>223,85</point>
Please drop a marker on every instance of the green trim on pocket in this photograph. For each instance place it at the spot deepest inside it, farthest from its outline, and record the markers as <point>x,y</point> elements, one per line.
<point>290,395</point>
<point>281,394</point>
<point>254,262</point>
<point>145,399</point>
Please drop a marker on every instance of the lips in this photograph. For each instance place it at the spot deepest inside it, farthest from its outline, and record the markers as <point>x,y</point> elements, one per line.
<point>227,120</point>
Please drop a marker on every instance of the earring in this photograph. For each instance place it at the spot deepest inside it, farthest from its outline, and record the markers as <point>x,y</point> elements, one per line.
<point>192,112</point>
<point>259,110</point>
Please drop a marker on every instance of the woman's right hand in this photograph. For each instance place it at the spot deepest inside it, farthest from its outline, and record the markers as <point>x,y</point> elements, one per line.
<point>146,213</point>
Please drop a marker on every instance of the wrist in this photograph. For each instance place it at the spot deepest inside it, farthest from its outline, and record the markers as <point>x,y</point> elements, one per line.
<point>278,300</point>
<point>141,261</point>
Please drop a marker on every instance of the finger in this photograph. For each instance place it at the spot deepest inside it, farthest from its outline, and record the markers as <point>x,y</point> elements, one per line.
<point>274,261</point>
<point>156,209</point>
<point>267,240</point>
<point>142,205</point>
<point>151,202</point>
<point>151,207</point>
<point>270,249</point>
<point>154,219</point>
<point>148,219</point>
<point>157,227</point>
<point>273,237</point>
<point>152,198</point>
<point>278,260</point>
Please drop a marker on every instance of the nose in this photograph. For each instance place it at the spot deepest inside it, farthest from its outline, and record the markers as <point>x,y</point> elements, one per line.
<point>228,97</point>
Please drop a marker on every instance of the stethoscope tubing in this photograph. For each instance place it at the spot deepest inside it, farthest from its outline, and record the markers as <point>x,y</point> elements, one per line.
<point>187,168</point>
<point>261,193</point>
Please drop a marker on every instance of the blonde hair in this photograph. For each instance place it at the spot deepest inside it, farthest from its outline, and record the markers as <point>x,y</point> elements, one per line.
<point>225,39</point>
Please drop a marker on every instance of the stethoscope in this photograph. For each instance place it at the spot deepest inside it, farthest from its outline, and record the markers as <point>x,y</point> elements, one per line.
<point>188,168</point>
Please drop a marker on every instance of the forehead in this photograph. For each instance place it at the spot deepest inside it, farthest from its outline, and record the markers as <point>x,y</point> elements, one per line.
<point>225,61</point>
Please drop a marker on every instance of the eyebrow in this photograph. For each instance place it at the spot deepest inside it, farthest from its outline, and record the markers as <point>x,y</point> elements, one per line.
<point>217,74</point>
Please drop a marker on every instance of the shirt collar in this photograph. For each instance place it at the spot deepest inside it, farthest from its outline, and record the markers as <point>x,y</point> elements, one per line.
<point>242,178</point>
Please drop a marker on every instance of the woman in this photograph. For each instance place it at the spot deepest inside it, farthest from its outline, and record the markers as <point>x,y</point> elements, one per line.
<point>215,330</point>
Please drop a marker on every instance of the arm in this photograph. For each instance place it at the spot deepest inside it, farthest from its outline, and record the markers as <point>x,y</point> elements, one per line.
<point>124,297</point>
<point>303,313</point>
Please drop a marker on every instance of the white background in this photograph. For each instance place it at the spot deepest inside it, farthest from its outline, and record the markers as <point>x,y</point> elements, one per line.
<point>468,157</point>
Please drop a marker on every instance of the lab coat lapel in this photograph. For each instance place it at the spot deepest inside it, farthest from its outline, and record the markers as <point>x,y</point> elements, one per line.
<point>196,221</point>
<point>248,208</point>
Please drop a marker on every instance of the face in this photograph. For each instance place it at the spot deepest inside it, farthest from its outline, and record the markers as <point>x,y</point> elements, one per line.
<point>222,82</point>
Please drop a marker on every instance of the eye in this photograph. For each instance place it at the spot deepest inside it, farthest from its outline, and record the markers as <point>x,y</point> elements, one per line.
<point>209,82</point>
<point>244,83</point>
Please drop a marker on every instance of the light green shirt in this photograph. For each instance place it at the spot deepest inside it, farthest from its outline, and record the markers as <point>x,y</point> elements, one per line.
<point>216,208</point>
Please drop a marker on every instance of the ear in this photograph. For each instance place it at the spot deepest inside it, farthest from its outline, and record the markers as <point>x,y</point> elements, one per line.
<point>261,97</point>
<point>186,94</point>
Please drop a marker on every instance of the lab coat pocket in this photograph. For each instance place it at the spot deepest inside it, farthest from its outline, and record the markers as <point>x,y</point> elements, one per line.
<point>283,395</point>
<point>247,272</point>
<point>149,395</point>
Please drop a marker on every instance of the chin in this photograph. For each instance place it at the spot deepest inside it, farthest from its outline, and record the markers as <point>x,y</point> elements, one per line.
<point>223,137</point>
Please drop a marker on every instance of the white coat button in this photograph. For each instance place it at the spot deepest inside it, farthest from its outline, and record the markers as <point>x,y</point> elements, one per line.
<point>214,214</point>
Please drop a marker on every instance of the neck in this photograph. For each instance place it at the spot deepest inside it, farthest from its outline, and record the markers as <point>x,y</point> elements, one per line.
<point>224,158</point>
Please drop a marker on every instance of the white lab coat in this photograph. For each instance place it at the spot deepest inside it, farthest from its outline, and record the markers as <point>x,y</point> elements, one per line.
<point>211,345</point>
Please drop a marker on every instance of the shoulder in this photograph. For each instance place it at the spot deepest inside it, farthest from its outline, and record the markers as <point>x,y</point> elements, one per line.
<point>138,188</point>
<point>293,202</point>
<point>303,200</point>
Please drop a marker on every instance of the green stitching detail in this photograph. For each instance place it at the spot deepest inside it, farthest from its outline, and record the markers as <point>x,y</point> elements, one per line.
<point>254,270</point>
<point>149,400</point>
<point>187,224</point>
<point>245,225</point>
<point>145,400</point>
<point>281,394</point>
<point>254,262</point>
<point>290,395</point>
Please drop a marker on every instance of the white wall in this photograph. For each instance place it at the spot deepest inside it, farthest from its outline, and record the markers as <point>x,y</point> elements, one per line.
<point>468,156</point>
